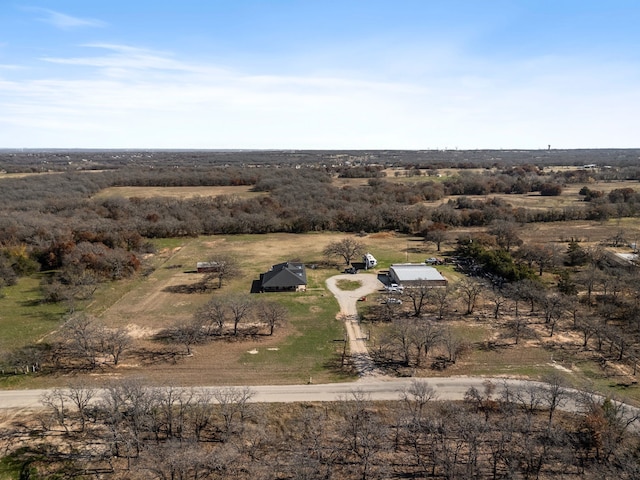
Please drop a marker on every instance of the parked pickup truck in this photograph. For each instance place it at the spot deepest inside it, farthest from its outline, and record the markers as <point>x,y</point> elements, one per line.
<point>394,287</point>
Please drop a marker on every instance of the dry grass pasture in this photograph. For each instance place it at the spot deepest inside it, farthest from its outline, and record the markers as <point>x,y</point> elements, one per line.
<point>145,305</point>
<point>242,191</point>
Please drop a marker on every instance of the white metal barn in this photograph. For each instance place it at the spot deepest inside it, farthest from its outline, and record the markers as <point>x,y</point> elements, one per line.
<point>412,274</point>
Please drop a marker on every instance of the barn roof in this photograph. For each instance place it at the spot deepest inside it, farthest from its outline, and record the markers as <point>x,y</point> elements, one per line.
<point>408,272</point>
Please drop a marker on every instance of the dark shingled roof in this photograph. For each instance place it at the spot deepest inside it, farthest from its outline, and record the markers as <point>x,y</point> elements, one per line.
<point>285,275</point>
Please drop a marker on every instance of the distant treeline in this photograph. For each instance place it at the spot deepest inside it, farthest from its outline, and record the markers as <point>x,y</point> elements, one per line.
<point>50,214</point>
<point>68,160</point>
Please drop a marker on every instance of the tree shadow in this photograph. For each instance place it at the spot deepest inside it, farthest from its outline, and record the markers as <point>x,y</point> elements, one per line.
<point>336,366</point>
<point>190,288</point>
<point>155,356</point>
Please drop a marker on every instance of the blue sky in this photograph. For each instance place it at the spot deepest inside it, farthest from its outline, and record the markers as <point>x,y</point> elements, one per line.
<point>319,74</point>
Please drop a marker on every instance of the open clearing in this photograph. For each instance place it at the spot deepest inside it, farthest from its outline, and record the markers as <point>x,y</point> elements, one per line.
<point>243,191</point>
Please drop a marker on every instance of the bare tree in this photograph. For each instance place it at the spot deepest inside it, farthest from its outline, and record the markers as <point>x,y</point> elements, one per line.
<point>81,396</point>
<point>498,299</point>
<point>213,315</point>
<point>224,267</point>
<point>436,233</point>
<point>347,248</point>
<point>402,336</point>
<point>126,408</point>
<point>201,412</point>
<point>554,393</point>
<point>482,401</point>
<point>170,412</point>
<point>114,342</point>
<point>174,460</point>
<point>418,293</point>
<point>522,290</point>
<point>517,326</point>
<point>545,256</point>
<point>389,310</point>
<point>506,234</point>
<point>453,344</point>
<point>239,307</point>
<point>272,314</point>
<point>416,396</point>
<point>553,305</point>
<point>187,333</point>
<point>470,290</point>
<point>58,403</point>
<point>529,397</point>
<point>441,298</point>
<point>430,334</point>
<point>82,333</point>
<point>362,432</point>
<point>234,407</point>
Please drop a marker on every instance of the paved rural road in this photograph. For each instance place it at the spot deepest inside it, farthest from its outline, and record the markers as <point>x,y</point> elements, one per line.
<point>446,388</point>
<point>347,299</point>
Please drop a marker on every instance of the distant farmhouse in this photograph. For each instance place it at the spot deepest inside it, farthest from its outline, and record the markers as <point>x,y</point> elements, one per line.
<point>284,277</point>
<point>413,274</point>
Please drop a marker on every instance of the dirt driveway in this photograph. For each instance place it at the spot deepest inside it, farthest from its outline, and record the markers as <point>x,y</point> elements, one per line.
<point>347,299</point>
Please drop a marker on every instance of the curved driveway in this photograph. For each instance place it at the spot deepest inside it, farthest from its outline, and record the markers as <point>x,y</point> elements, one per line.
<point>347,299</point>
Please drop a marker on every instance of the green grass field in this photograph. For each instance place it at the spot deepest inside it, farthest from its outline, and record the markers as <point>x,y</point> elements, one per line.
<point>24,319</point>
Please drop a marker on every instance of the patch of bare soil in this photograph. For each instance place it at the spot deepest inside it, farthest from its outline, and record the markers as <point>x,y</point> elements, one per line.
<point>149,307</point>
<point>383,235</point>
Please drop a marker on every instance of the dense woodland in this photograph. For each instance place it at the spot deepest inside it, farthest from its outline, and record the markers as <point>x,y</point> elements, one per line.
<point>53,223</point>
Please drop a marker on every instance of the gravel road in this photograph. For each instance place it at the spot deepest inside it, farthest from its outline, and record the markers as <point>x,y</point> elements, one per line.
<point>347,299</point>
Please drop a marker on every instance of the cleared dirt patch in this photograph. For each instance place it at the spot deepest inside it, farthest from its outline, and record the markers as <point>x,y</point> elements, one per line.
<point>178,192</point>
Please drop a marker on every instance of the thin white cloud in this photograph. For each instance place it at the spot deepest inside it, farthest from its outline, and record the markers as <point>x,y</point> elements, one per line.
<point>123,57</point>
<point>66,22</point>
<point>136,98</point>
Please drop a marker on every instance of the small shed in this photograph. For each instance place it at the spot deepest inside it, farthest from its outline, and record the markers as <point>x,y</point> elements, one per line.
<point>207,267</point>
<point>413,274</point>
